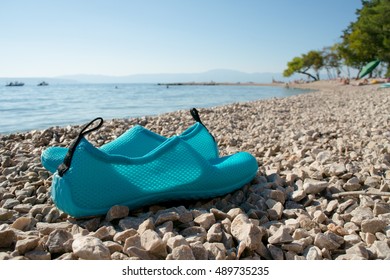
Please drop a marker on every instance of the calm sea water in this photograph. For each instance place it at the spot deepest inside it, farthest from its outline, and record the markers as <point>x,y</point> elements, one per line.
<point>31,107</point>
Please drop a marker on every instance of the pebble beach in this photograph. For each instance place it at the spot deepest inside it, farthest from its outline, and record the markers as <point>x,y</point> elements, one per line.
<point>321,192</point>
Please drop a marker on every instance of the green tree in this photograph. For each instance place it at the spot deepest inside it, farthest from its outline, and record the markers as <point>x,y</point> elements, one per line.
<point>368,38</point>
<point>312,61</point>
<point>332,61</point>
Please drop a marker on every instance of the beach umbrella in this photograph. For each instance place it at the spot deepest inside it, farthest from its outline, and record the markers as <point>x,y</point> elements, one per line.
<point>368,68</point>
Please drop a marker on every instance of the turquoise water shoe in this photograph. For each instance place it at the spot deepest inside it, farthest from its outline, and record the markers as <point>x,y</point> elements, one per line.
<point>90,181</point>
<point>138,141</point>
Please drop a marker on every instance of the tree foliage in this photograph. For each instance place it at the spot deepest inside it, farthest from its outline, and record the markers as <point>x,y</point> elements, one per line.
<point>312,60</point>
<point>368,38</point>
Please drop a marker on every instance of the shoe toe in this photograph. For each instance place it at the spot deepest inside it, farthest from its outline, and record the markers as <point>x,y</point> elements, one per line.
<point>52,157</point>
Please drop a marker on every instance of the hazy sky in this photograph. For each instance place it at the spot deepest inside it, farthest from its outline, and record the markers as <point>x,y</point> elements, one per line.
<point>121,37</point>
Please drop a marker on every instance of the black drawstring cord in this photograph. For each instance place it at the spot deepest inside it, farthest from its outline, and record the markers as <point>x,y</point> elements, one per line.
<point>68,158</point>
<point>195,114</point>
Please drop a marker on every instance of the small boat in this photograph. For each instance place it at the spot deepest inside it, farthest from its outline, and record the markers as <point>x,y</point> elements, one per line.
<point>15,84</point>
<point>42,84</point>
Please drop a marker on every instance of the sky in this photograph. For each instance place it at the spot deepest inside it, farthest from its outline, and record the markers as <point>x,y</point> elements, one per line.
<point>46,38</point>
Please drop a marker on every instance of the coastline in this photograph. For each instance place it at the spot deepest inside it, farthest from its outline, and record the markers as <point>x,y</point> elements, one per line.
<point>312,149</point>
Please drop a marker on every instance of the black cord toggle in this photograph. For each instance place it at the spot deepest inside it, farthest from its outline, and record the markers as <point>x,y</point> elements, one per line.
<point>84,131</point>
<point>195,114</point>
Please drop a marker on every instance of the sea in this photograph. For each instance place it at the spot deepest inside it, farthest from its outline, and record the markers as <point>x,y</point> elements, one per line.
<point>32,107</point>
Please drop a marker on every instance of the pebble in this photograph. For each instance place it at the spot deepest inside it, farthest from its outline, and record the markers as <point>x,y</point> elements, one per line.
<point>325,241</point>
<point>182,252</point>
<point>152,242</point>
<point>24,245</point>
<point>59,241</point>
<point>90,248</point>
<point>352,184</point>
<point>117,212</point>
<point>282,235</point>
<point>311,186</point>
<point>373,225</point>
<point>7,238</point>
<point>205,220</point>
<point>5,214</point>
<point>381,249</point>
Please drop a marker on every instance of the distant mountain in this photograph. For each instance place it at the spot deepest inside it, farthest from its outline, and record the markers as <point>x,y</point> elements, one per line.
<point>218,75</point>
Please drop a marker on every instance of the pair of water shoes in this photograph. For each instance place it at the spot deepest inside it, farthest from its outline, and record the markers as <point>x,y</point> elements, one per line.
<point>142,168</point>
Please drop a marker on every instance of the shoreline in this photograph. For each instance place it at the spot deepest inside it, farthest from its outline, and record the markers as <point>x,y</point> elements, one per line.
<point>219,84</point>
<point>317,153</point>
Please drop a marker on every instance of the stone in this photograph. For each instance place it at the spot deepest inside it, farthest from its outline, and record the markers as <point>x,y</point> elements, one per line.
<point>113,246</point>
<point>359,250</point>
<point>300,233</point>
<point>5,214</point>
<point>147,224</point>
<point>23,223</point>
<point>123,235</point>
<point>185,216</point>
<point>23,208</point>
<point>234,213</point>
<point>360,214</point>
<point>311,186</point>
<point>7,238</point>
<point>332,205</point>
<point>119,256</point>
<point>214,234</point>
<point>166,216</point>
<point>298,195</point>
<point>27,244</point>
<point>381,208</point>
<point>90,248</point>
<point>164,228</point>
<point>193,234</point>
<point>292,223</point>
<point>59,241</point>
<point>218,214</point>
<point>295,247</point>
<point>312,253</point>
<point>381,249</point>
<point>352,239</point>
<point>370,238</point>
<point>245,231</point>
<point>130,222</point>
<point>176,241</point>
<point>352,184</point>
<point>278,208</point>
<point>337,169</point>
<point>152,242</point>
<point>132,241</point>
<point>323,157</point>
<point>91,224</point>
<point>199,251</point>
<point>46,228</point>
<point>117,212</point>
<point>372,182</point>
<point>282,235</point>
<point>345,205</point>
<point>138,253</point>
<point>373,225</point>
<point>276,252</point>
<point>319,217</point>
<point>182,252</point>
<point>38,255</point>
<point>325,241</point>
<point>205,220</point>
<point>216,251</point>
<point>10,203</point>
